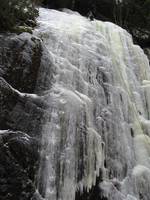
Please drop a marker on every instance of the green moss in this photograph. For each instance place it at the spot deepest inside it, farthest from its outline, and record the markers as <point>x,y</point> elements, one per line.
<point>21,29</point>
<point>14,13</point>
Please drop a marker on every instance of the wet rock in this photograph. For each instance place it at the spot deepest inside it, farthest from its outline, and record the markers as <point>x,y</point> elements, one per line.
<point>147,52</point>
<point>22,108</point>
<point>21,59</point>
<point>19,157</point>
<point>20,111</point>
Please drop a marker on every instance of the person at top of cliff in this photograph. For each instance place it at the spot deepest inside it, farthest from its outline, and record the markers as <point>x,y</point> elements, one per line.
<point>90,15</point>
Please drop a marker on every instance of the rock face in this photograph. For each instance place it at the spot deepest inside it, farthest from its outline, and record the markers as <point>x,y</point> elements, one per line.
<point>21,113</point>
<point>147,52</point>
<point>19,155</point>
<point>74,112</point>
<point>22,58</point>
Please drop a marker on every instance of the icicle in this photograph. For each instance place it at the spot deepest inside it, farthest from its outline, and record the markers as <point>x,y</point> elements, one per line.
<point>98,103</point>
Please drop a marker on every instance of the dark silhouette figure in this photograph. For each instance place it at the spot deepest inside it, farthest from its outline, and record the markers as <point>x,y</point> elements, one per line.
<point>90,15</point>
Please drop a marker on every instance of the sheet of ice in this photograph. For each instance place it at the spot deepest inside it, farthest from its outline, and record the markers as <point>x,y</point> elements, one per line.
<point>98,115</point>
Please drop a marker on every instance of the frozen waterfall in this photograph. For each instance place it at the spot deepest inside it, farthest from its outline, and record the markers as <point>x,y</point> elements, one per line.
<point>98,116</point>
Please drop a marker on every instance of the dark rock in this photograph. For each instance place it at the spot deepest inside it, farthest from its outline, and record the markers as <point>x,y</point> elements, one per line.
<point>147,52</point>
<point>22,112</point>
<point>19,157</point>
<point>21,59</point>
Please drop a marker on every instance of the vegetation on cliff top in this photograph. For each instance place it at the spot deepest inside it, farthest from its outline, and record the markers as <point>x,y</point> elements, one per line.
<point>17,13</point>
<point>134,16</point>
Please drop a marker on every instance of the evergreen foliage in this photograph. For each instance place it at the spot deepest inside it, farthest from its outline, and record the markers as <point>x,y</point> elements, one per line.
<point>135,17</point>
<point>15,13</point>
